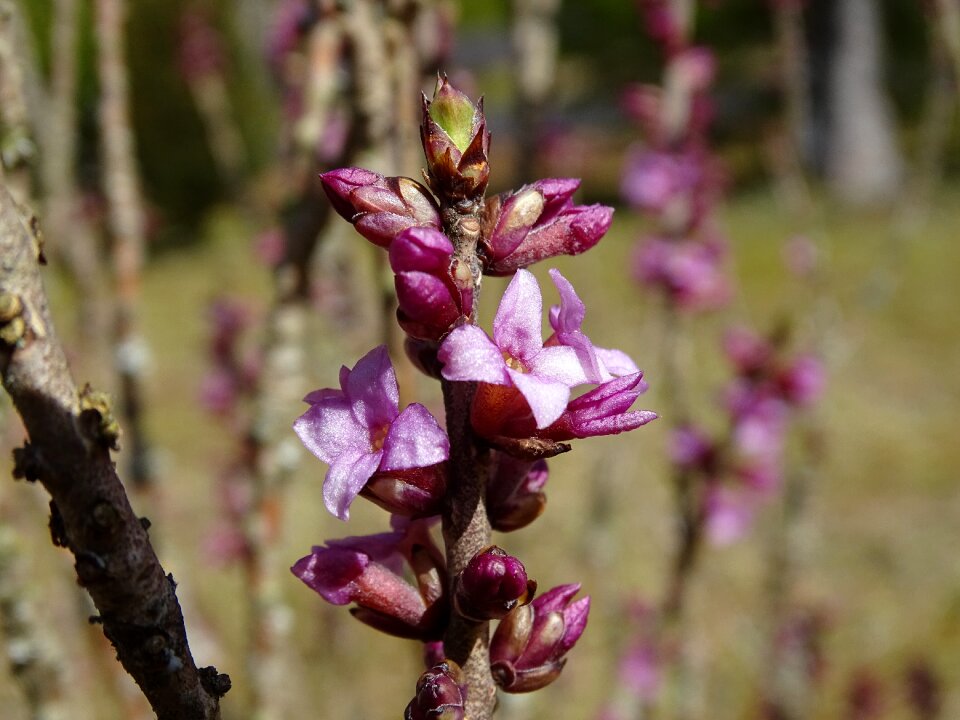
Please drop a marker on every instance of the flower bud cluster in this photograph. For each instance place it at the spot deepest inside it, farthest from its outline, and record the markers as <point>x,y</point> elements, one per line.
<point>672,176</point>
<point>522,411</point>
<point>744,468</point>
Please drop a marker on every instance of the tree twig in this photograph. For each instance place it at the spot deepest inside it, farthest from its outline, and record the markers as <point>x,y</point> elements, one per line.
<point>71,434</point>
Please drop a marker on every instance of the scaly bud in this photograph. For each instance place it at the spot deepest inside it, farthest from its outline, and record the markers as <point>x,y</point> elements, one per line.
<point>529,648</point>
<point>539,221</point>
<point>440,694</point>
<point>455,143</point>
<point>492,584</point>
<point>379,207</point>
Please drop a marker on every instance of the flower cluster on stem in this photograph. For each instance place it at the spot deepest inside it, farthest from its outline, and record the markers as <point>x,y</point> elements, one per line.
<point>510,403</point>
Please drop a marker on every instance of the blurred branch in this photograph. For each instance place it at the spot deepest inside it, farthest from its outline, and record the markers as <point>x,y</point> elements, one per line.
<point>71,434</point>
<point>536,45</point>
<point>126,215</point>
<point>16,143</point>
<point>32,664</point>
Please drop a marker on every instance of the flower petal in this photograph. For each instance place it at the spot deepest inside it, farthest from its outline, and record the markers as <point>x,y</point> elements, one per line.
<point>518,325</point>
<point>561,364</point>
<point>345,479</point>
<point>468,354</point>
<point>415,440</point>
<point>547,398</point>
<point>572,310</point>
<point>329,429</point>
<point>372,389</point>
<point>616,362</point>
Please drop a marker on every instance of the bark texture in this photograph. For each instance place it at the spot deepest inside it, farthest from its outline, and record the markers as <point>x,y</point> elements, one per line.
<point>68,451</point>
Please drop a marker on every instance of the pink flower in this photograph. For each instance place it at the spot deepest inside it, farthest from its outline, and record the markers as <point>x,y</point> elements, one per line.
<point>688,271</point>
<point>368,571</point>
<point>359,431</point>
<point>730,513</point>
<point>516,356</point>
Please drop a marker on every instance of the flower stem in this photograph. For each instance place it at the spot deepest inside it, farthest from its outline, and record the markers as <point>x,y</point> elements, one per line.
<point>466,528</point>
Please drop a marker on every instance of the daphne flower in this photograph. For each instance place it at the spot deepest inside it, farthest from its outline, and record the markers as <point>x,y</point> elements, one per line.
<point>516,356</point>
<point>359,430</point>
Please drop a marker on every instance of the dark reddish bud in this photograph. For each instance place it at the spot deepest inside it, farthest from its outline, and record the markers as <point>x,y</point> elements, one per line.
<point>529,648</point>
<point>415,492</point>
<point>456,144</point>
<point>423,355</point>
<point>379,207</point>
<point>515,495</point>
<point>492,584</point>
<point>440,694</point>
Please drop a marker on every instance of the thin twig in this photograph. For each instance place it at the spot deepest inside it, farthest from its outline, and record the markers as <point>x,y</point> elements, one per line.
<point>69,453</point>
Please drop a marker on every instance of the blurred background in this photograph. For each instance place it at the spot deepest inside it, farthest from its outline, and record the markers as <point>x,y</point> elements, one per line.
<point>170,150</point>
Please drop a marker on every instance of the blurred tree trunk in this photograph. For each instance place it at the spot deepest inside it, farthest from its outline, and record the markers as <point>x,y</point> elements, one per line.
<point>863,161</point>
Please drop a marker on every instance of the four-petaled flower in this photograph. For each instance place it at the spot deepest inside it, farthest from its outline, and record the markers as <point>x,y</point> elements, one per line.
<point>359,430</point>
<point>516,356</point>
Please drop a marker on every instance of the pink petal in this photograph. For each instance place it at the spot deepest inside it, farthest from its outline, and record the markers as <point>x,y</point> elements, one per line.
<point>345,479</point>
<point>329,429</point>
<point>332,573</point>
<point>616,362</point>
<point>468,354</point>
<point>372,389</point>
<point>559,364</point>
<point>572,310</point>
<point>518,325</point>
<point>547,398</point>
<point>414,440</point>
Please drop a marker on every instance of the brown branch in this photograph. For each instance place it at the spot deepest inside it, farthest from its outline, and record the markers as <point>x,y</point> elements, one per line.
<point>69,453</point>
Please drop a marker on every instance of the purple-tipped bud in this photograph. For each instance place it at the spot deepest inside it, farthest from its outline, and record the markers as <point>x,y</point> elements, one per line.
<point>529,648</point>
<point>440,694</point>
<point>415,492</point>
<point>428,298</point>
<point>379,207</point>
<point>492,584</point>
<point>456,144</point>
<point>540,221</point>
<point>605,410</point>
<point>802,382</point>
<point>515,496</point>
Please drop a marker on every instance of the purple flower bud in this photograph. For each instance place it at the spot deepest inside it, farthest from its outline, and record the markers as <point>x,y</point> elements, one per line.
<point>440,694</point>
<point>492,584</point>
<point>455,143</point>
<point>429,300</point>
<point>515,495</point>
<point>380,207</point>
<point>529,648</point>
<point>537,222</point>
<point>605,410</point>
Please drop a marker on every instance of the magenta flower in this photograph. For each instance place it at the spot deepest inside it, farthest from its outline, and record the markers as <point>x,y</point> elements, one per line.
<point>566,319</point>
<point>368,571</point>
<point>529,648</point>
<point>429,302</point>
<point>688,271</point>
<point>359,431</point>
<point>540,221</point>
<point>516,356</point>
<point>730,513</point>
<point>380,207</point>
